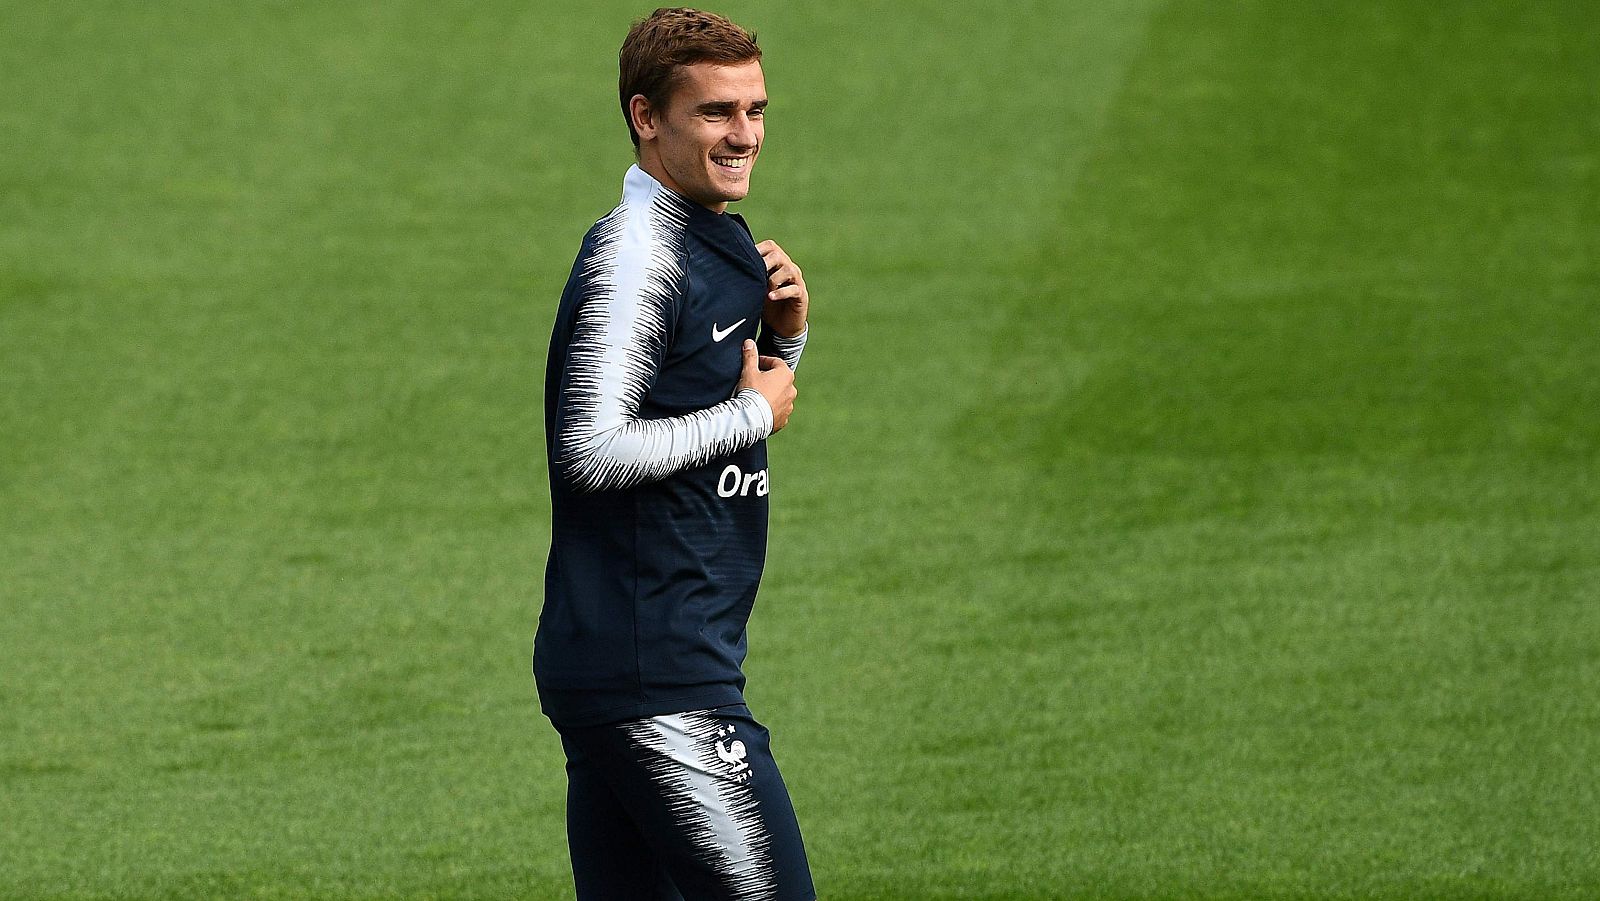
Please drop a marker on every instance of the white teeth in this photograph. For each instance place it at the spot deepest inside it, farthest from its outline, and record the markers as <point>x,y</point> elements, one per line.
<point>732,162</point>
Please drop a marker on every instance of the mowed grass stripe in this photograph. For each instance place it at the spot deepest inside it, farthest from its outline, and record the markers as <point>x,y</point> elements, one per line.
<point>1303,505</point>
<point>260,569</point>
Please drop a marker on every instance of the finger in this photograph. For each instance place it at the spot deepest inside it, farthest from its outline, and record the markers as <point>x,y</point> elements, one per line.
<point>766,246</point>
<point>787,292</point>
<point>786,274</point>
<point>775,258</point>
<point>771,363</point>
<point>752,360</point>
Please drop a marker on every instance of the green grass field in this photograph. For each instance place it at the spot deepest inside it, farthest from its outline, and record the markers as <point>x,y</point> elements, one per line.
<point>1193,490</point>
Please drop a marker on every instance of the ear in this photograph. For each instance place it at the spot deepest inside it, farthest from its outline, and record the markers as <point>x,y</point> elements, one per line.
<point>643,116</point>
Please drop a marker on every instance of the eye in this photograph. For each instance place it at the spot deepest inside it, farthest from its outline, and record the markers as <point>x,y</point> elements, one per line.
<point>758,113</point>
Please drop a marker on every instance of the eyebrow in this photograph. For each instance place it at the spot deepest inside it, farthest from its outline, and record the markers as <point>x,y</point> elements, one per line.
<point>727,106</point>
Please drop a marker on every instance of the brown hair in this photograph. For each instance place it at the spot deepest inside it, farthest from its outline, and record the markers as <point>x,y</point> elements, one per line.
<point>656,46</point>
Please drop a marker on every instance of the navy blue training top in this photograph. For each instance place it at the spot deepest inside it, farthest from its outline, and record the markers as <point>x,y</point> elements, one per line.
<point>658,463</point>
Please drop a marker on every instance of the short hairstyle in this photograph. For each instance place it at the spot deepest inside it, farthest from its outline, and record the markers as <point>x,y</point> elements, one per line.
<point>658,45</point>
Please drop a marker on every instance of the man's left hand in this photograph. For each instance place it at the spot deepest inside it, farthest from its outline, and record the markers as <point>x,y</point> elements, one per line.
<point>787,300</point>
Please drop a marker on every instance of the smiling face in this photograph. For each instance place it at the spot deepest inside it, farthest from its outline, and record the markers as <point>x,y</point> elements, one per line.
<point>704,143</point>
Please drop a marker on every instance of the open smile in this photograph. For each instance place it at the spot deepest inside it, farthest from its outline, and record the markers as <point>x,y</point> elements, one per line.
<point>733,163</point>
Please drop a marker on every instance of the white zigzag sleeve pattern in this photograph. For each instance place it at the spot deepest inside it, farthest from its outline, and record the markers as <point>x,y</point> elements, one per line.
<point>631,284</point>
<point>787,348</point>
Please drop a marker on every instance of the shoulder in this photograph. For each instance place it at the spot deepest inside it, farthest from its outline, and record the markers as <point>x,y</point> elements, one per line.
<point>644,236</point>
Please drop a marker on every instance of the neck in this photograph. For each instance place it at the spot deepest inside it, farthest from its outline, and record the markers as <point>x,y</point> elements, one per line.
<point>650,162</point>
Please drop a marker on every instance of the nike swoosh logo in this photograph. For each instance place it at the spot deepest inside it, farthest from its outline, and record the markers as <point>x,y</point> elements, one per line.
<point>718,334</point>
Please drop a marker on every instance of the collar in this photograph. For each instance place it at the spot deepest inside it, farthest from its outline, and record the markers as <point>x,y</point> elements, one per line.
<point>639,186</point>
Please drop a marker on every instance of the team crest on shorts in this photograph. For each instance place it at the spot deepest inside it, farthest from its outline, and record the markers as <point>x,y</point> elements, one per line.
<point>732,753</point>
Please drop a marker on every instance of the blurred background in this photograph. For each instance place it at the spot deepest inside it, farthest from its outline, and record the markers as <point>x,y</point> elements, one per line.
<point>1192,491</point>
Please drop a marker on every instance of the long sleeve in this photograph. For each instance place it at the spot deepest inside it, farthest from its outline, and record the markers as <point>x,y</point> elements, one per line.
<point>660,483</point>
<point>789,349</point>
<point>631,286</point>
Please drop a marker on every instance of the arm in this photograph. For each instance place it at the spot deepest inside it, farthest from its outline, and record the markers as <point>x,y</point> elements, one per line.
<point>788,350</point>
<point>619,339</point>
<point>783,322</point>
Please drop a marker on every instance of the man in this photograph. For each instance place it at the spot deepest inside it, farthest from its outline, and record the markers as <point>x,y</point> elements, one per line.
<point>670,364</point>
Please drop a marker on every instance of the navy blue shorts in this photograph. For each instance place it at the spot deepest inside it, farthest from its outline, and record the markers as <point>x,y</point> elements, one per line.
<point>681,807</point>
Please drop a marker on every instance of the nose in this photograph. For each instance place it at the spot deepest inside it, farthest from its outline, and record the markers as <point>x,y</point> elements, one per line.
<point>741,132</point>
